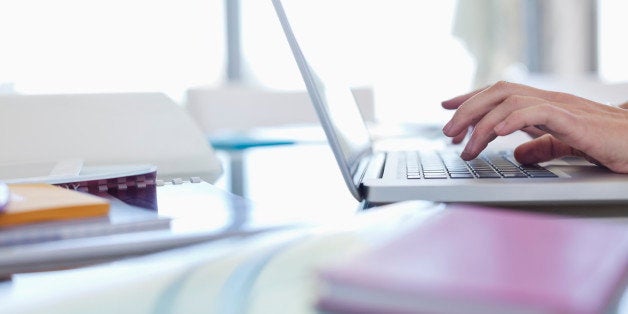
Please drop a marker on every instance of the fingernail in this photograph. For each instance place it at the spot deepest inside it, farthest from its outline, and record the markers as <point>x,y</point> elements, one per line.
<point>447,127</point>
<point>465,154</point>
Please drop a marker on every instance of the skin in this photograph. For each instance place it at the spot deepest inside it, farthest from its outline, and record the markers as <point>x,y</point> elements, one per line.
<point>561,124</point>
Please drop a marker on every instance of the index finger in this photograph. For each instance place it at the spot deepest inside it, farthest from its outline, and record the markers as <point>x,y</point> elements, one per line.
<point>482,102</point>
<point>458,100</point>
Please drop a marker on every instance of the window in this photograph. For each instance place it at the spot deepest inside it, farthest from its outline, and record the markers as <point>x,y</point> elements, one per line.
<point>403,49</point>
<point>115,45</point>
<point>612,48</point>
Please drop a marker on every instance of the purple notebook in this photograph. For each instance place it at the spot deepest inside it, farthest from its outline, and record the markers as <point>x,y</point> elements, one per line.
<point>479,260</point>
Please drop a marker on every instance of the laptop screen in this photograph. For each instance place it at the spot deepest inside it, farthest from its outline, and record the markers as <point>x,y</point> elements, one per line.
<point>339,114</point>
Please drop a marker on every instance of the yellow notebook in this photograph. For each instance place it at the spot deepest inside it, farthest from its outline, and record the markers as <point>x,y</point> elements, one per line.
<point>31,203</point>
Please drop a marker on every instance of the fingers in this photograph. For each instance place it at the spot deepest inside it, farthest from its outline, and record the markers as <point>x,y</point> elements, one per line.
<point>478,104</point>
<point>600,138</point>
<point>546,148</point>
<point>484,131</point>
<point>553,119</point>
<point>476,145</point>
<point>517,113</point>
<point>455,102</point>
<point>534,132</point>
<point>563,124</point>
<point>460,137</point>
<point>542,149</point>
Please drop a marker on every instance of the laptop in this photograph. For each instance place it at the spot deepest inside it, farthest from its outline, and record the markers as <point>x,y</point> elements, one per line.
<point>379,177</point>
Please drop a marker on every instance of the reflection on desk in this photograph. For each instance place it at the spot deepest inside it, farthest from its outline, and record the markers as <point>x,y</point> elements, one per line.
<point>267,273</point>
<point>197,212</point>
<point>300,180</point>
<point>215,277</point>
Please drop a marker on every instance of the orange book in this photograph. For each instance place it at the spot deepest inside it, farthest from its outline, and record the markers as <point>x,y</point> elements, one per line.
<point>30,203</point>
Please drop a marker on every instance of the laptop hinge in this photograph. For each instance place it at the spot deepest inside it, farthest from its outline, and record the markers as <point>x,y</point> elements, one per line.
<point>370,167</point>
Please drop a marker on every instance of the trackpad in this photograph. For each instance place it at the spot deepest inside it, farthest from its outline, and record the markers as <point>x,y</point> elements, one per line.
<point>568,161</point>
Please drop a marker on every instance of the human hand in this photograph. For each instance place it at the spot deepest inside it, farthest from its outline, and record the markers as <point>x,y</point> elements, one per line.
<point>565,124</point>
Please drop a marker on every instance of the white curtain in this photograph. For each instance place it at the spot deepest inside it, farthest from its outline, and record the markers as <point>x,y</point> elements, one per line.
<point>493,32</point>
<point>555,37</point>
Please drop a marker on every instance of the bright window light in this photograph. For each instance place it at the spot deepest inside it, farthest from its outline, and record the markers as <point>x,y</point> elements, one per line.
<point>612,48</point>
<point>403,49</point>
<point>116,45</point>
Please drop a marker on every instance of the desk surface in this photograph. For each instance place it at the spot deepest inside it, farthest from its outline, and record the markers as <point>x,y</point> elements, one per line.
<point>191,279</point>
<point>266,273</point>
<point>285,176</point>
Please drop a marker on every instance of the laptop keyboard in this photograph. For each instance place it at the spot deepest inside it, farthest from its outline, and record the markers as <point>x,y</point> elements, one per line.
<point>488,165</point>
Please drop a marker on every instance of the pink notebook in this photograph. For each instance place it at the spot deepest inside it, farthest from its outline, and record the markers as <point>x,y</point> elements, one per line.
<point>479,260</point>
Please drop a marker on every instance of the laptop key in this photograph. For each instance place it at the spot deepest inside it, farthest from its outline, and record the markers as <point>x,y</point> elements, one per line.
<point>509,170</point>
<point>547,174</point>
<point>435,176</point>
<point>459,171</point>
<point>514,175</point>
<point>461,175</point>
<point>486,166</point>
<point>434,171</point>
<point>486,174</point>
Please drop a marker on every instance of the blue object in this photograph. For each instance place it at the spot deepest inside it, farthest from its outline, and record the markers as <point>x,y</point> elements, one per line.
<point>241,142</point>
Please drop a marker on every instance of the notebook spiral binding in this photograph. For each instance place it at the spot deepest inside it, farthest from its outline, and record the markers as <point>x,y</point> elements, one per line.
<point>137,190</point>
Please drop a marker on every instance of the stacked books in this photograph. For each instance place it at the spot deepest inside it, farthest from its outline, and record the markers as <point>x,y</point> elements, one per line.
<point>39,202</point>
<point>479,260</point>
<point>72,201</point>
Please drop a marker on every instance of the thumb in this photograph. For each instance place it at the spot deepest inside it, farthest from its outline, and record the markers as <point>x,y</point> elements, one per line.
<point>542,149</point>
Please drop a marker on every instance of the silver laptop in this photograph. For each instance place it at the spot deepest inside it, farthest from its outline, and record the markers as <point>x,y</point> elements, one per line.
<point>391,176</point>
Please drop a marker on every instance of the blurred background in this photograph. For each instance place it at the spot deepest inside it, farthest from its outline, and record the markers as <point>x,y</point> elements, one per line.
<point>413,53</point>
<point>410,54</point>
